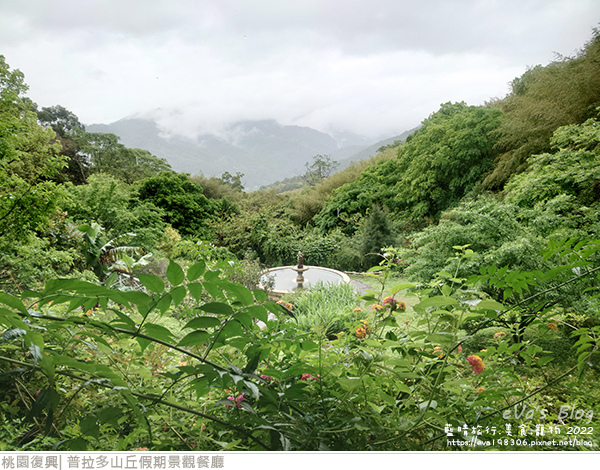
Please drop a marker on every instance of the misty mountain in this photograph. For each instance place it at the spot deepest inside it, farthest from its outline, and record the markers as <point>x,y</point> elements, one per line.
<point>264,151</point>
<point>366,152</point>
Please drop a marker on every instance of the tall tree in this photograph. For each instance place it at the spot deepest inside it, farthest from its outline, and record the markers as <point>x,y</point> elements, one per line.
<point>321,167</point>
<point>186,207</point>
<point>439,164</point>
<point>108,155</point>
<point>567,91</point>
<point>29,160</point>
<point>376,233</point>
<point>68,130</point>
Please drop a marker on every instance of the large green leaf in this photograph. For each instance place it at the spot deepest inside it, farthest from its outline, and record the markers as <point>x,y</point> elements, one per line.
<point>137,297</point>
<point>490,305</point>
<point>164,303</point>
<point>75,285</point>
<point>196,270</point>
<point>349,383</point>
<point>436,301</point>
<point>398,287</point>
<point>213,289</point>
<point>178,294</point>
<point>217,307</point>
<point>175,274</point>
<point>126,320</point>
<point>203,322</point>
<point>158,331</point>
<point>150,282</point>
<point>442,338</point>
<point>13,302</point>
<point>259,312</point>
<point>260,295</point>
<point>195,338</point>
<point>244,319</point>
<point>196,290</point>
<point>241,294</point>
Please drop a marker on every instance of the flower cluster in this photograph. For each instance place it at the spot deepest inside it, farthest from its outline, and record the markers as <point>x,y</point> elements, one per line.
<point>237,400</point>
<point>552,325</point>
<point>360,332</point>
<point>287,305</point>
<point>394,304</point>
<point>309,377</point>
<point>476,364</point>
<point>500,333</point>
<point>438,352</point>
<point>377,307</point>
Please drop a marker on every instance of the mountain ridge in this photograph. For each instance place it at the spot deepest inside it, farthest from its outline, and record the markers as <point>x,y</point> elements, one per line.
<point>265,151</point>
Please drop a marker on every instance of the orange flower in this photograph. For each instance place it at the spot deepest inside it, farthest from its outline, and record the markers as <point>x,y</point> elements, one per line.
<point>365,326</point>
<point>360,333</point>
<point>394,304</point>
<point>476,364</point>
<point>480,389</point>
<point>553,326</point>
<point>357,310</point>
<point>285,304</point>
<point>500,333</point>
<point>376,307</point>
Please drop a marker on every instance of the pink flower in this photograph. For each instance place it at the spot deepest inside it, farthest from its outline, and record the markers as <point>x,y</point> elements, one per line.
<point>306,377</point>
<point>238,400</point>
<point>268,378</point>
<point>459,348</point>
<point>476,364</point>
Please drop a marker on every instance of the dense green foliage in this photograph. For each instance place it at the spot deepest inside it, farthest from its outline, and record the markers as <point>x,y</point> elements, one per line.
<point>183,202</point>
<point>440,163</point>
<point>131,313</point>
<point>567,91</point>
<point>180,364</point>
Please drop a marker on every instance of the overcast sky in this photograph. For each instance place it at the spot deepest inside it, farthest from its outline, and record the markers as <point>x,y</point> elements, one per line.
<point>373,67</point>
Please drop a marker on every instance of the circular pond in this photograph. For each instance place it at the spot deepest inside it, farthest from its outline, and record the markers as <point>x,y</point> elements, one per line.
<point>285,278</point>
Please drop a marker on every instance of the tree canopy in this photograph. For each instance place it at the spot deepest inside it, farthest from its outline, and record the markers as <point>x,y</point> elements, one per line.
<point>438,165</point>
<point>185,206</point>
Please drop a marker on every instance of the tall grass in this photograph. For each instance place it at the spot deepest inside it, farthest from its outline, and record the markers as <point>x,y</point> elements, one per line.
<point>325,307</point>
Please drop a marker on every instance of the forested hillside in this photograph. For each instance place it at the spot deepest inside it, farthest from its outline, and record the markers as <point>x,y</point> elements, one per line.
<point>130,291</point>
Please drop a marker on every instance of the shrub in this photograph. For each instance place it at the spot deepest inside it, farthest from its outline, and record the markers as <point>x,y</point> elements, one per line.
<point>324,307</point>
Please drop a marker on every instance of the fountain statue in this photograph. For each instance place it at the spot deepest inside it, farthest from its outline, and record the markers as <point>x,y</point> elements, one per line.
<point>300,269</point>
<point>285,281</point>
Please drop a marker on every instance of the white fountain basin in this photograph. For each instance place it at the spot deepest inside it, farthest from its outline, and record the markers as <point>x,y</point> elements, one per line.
<point>285,278</point>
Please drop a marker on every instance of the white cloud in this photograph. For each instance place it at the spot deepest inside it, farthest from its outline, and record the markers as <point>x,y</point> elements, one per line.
<point>373,67</point>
